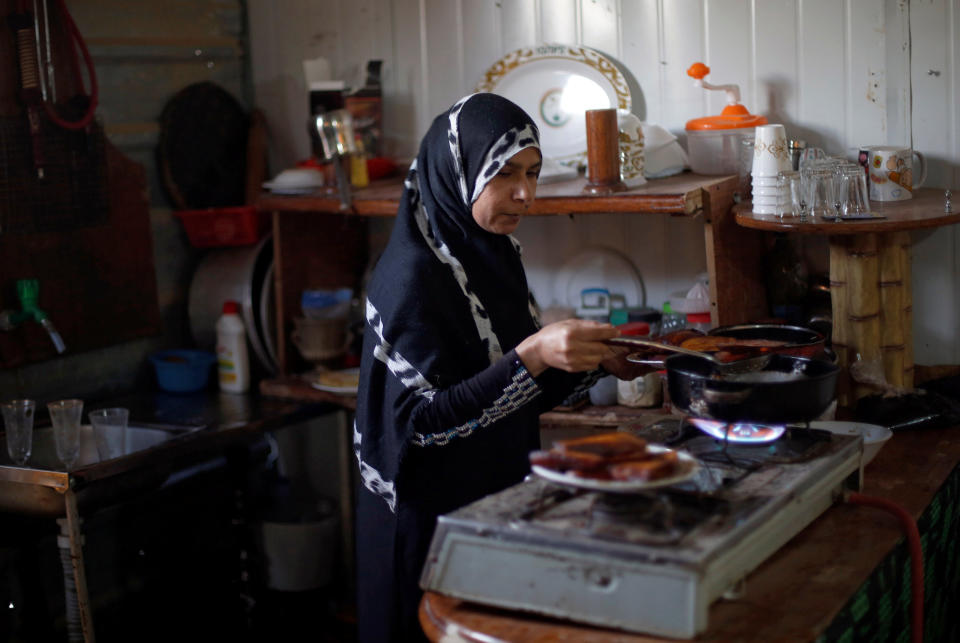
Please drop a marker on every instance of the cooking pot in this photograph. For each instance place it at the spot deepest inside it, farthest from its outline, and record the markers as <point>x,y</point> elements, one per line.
<point>788,389</point>
<point>802,342</point>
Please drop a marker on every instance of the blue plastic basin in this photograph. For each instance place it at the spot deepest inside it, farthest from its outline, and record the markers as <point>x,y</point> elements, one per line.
<point>181,370</point>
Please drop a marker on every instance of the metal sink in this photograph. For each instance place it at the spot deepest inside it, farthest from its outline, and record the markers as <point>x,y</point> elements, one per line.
<point>38,486</point>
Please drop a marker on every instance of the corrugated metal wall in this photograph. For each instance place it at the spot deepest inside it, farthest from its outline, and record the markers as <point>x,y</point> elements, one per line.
<point>144,52</point>
<point>837,73</point>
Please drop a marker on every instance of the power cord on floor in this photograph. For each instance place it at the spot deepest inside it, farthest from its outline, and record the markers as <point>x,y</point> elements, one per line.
<point>912,534</point>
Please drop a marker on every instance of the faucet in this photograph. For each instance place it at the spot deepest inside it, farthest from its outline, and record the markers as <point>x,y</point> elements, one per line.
<point>28,292</point>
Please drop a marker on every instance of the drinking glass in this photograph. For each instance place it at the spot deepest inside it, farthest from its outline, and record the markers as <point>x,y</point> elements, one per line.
<point>66,415</point>
<point>856,196</point>
<point>789,185</point>
<point>110,431</point>
<point>819,182</point>
<point>18,420</point>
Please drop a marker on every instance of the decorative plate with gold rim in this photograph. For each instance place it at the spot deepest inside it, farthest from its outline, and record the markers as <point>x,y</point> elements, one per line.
<point>555,84</point>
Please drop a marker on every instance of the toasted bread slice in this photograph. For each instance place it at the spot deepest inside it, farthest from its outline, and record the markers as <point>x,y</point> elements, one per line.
<point>659,465</point>
<point>611,447</point>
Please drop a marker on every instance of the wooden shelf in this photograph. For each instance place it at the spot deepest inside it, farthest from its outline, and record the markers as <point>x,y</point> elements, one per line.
<point>681,194</point>
<point>924,210</point>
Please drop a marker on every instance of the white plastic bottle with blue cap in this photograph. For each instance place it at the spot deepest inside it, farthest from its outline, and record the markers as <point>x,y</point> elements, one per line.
<point>233,364</point>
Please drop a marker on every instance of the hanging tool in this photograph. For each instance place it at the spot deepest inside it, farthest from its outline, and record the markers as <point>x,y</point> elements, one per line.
<point>31,85</point>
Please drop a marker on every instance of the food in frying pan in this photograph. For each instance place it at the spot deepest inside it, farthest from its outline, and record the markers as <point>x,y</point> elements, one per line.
<point>608,456</point>
<point>710,343</point>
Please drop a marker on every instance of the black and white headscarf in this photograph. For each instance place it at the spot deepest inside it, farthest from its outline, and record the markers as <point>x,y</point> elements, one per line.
<point>447,299</point>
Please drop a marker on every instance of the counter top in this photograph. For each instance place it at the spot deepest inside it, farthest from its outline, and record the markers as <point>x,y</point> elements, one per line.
<point>168,432</point>
<point>924,210</point>
<point>796,593</point>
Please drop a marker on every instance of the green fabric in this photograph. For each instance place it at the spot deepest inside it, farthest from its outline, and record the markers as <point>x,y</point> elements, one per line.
<point>880,609</point>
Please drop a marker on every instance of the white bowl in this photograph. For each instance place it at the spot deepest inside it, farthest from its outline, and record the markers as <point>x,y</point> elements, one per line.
<point>874,435</point>
<point>299,177</point>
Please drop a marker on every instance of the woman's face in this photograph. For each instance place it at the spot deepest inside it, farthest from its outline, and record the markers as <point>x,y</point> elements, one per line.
<point>506,197</point>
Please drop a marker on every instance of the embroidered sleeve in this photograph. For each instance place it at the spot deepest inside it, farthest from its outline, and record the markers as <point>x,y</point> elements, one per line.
<point>491,395</point>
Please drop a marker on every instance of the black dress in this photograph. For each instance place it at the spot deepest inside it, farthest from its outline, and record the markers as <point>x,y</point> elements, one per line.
<point>446,412</point>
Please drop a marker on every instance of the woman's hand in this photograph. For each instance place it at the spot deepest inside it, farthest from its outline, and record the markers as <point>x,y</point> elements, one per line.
<point>572,345</point>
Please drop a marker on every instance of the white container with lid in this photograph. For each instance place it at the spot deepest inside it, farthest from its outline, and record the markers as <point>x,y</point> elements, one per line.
<point>713,142</point>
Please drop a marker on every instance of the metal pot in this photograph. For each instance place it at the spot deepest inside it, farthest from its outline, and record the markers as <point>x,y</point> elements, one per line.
<point>802,342</point>
<point>789,389</point>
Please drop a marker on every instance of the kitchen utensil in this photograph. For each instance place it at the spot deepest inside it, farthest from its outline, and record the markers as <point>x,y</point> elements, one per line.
<point>18,423</point>
<point>335,129</point>
<point>747,363</point>
<point>556,84</point>
<point>65,416</point>
<point>874,435</point>
<point>110,431</point>
<point>788,389</point>
<point>183,370</point>
<point>714,142</point>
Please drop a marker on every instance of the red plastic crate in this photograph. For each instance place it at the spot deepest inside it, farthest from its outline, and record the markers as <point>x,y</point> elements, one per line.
<point>236,226</point>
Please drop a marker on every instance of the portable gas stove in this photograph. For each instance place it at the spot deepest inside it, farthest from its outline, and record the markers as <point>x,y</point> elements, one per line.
<point>651,561</point>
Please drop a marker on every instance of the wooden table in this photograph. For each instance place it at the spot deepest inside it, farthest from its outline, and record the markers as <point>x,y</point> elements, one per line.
<point>870,268</point>
<point>793,596</point>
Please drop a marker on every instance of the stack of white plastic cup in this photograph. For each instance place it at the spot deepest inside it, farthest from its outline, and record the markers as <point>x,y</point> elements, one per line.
<point>770,157</point>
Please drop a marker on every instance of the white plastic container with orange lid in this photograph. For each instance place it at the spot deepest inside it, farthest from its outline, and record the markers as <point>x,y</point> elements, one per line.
<point>713,142</point>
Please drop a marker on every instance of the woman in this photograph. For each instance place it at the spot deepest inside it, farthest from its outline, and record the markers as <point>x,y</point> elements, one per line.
<point>455,367</point>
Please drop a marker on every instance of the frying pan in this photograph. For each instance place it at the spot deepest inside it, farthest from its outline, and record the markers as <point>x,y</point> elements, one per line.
<point>789,389</point>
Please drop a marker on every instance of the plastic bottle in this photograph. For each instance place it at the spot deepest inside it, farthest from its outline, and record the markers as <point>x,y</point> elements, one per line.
<point>233,365</point>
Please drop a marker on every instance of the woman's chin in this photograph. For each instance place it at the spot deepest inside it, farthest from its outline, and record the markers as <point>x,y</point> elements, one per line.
<point>507,224</point>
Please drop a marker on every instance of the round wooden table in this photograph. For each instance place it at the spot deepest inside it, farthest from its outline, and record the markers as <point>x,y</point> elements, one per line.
<point>869,282</point>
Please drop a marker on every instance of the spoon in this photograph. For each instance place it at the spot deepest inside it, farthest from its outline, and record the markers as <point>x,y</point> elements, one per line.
<point>739,365</point>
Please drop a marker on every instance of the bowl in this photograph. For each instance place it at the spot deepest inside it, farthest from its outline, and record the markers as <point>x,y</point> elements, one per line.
<point>181,370</point>
<point>874,435</point>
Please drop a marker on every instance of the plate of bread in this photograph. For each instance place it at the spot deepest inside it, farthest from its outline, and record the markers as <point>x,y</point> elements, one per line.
<point>613,462</point>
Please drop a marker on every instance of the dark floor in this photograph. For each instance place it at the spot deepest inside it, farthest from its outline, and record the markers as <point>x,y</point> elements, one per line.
<point>177,565</point>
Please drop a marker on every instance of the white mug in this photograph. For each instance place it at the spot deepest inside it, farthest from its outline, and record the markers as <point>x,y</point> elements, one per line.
<point>893,171</point>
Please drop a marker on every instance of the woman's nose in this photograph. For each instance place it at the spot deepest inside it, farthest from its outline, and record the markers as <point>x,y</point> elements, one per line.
<point>525,190</point>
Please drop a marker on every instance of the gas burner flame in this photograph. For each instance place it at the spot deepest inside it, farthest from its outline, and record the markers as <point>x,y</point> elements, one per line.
<point>740,432</point>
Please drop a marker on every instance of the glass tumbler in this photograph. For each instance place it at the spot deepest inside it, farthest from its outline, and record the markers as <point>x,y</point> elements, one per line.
<point>789,184</point>
<point>856,196</point>
<point>110,431</point>
<point>18,423</point>
<point>819,183</point>
<point>65,416</point>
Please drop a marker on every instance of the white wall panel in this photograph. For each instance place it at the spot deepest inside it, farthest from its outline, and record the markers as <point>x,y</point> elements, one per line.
<point>867,87</point>
<point>600,25</point>
<point>683,43</point>
<point>560,21</point>
<point>481,40</point>
<point>445,72</point>
<point>640,53</point>
<point>519,25</point>
<point>729,57</point>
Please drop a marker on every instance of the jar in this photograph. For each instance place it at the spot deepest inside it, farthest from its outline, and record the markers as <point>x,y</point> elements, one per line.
<point>699,321</point>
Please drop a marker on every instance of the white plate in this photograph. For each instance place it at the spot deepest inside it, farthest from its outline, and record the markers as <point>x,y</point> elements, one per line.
<point>343,390</point>
<point>555,84</point>
<point>874,435</point>
<point>267,318</point>
<point>687,466</point>
<point>598,268</point>
<point>289,191</point>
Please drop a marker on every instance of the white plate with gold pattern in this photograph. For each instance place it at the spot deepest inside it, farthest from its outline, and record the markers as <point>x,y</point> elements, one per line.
<point>555,84</point>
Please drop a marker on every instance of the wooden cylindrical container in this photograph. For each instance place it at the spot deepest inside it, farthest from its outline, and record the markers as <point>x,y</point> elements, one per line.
<point>603,152</point>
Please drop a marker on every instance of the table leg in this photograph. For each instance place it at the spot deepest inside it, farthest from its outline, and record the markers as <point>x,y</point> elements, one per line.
<point>71,540</point>
<point>872,309</point>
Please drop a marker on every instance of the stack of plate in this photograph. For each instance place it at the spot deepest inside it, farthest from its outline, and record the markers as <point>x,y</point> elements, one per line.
<point>244,275</point>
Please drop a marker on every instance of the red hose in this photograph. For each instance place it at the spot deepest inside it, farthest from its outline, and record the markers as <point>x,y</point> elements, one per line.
<point>912,534</point>
<point>87,118</point>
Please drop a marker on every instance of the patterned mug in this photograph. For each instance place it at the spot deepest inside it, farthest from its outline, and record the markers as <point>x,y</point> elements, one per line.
<point>893,171</point>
